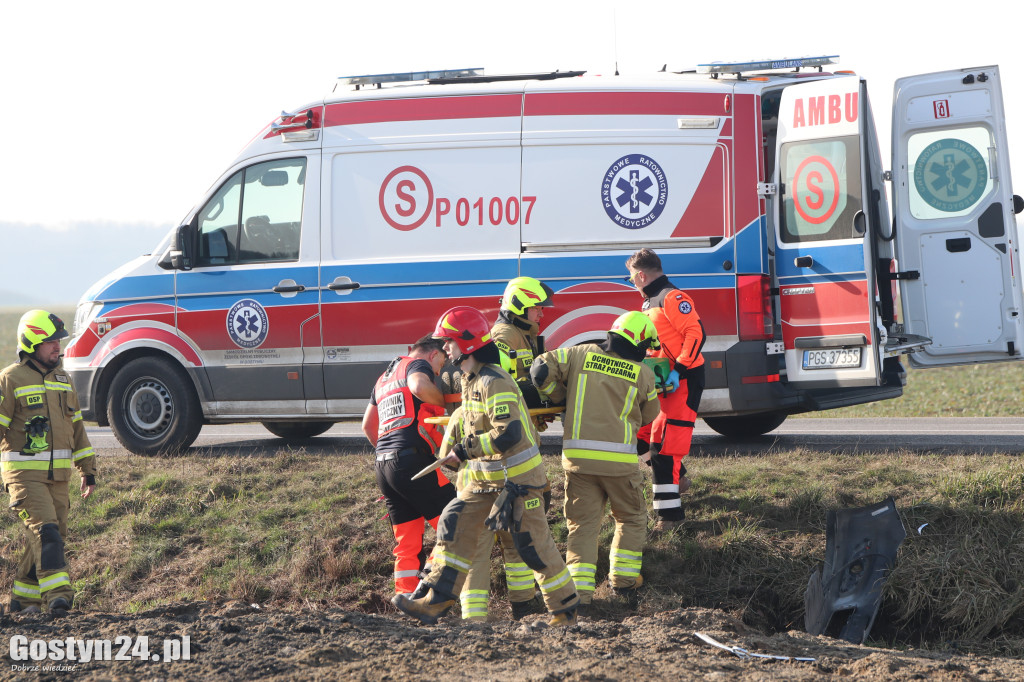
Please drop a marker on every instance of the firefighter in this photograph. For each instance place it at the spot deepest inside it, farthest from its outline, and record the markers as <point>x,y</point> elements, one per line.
<point>515,333</point>
<point>682,337</point>
<point>41,435</point>
<point>393,422</point>
<point>609,393</point>
<point>502,457</point>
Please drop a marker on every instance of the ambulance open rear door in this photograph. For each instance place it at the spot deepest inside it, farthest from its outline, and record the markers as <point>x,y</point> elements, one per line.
<point>956,237</point>
<point>823,258</point>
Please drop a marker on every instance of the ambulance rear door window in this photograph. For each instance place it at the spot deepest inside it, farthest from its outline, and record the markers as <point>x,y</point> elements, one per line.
<point>821,189</point>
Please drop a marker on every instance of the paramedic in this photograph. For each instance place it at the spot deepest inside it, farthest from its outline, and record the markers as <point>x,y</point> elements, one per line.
<point>501,454</point>
<point>515,333</point>
<point>682,337</point>
<point>41,435</point>
<point>393,422</point>
<point>610,393</point>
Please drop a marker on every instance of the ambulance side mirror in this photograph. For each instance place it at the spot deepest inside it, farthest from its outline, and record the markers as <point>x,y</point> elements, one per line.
<point>181,251</point>
<point>1018,204</point>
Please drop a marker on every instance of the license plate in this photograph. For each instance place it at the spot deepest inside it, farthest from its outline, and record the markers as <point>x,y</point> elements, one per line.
<point>832,358</point>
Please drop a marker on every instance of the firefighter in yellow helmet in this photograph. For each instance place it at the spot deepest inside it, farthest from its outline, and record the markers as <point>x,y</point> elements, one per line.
<point>501,453</point>
<point>41,435</point>
<point>516,333</point>
<point>610,393</point>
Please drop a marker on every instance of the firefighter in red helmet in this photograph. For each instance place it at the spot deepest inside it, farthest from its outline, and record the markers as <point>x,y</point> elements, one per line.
<point>501,453</point>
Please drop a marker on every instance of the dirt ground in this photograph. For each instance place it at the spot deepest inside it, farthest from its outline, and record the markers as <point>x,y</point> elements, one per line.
<point>237,641</point>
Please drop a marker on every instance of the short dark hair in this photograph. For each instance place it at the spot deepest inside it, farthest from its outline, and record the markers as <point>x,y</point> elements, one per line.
<point>428,343</point>
<point>645,260</point>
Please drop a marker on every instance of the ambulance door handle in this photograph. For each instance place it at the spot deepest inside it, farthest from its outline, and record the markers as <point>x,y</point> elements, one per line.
<point>343,286</point>
<point>288,286</point>
<point>803,262</point>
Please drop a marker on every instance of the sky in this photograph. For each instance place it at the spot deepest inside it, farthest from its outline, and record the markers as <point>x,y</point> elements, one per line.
<point>118,116</point>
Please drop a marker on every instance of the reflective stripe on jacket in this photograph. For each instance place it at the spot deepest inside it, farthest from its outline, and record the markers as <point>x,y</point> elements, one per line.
<point>608,398</point>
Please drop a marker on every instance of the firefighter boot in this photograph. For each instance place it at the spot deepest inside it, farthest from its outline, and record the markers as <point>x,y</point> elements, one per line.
<point>15,607</point>
<point>631,593</point>
<point>58,605</point>
<point>521,609</point>
<point>427,609</point>
<point>562,619</point>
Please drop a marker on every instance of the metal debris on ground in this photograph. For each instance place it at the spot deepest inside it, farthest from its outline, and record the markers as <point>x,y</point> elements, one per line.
<point>743,653</point>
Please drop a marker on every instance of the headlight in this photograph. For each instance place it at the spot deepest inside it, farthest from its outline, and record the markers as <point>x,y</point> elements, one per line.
<point>84,315</point>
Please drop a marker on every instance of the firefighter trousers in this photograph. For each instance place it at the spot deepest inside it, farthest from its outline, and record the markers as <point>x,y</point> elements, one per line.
<point>42,573</point>
<point>586,496</point>
<point>518,576</point>
<point>458,537</point>
<point>411,505</point>
<point>669,438</point>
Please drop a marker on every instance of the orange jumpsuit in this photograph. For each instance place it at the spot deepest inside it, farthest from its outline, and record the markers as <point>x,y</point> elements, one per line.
<point>682,337</point>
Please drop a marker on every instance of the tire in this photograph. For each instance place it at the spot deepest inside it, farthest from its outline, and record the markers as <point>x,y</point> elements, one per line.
<point>297,430</point>
<point>153,408</point>
<point>747,425</point>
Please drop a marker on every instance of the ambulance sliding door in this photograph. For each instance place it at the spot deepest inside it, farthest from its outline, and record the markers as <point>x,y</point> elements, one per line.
<point>955,222</point>
<point>823,258</point>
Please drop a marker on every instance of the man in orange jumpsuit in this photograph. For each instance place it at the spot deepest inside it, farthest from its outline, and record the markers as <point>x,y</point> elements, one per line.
<point>682,337</point>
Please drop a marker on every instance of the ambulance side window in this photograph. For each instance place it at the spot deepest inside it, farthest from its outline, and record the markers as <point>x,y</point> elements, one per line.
<point>821,189</point>
<point>950,171</point>
<point>272,211</point>
<point>218,225</point>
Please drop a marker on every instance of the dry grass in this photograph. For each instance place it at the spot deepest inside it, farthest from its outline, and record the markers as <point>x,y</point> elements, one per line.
<point>296,529</point>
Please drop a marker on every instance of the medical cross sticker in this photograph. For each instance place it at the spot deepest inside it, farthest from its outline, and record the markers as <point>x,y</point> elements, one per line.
<point>951,175</point>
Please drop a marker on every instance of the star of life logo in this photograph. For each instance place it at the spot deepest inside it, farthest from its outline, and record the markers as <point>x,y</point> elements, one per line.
<point>634,191</point>
<point>247,323</point>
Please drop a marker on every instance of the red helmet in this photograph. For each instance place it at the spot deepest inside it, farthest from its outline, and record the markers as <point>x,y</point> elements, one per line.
<point>466,326</point>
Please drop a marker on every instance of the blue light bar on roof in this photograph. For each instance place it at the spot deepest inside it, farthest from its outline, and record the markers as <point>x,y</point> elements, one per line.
<point>766,64</point>
<point>405,77</point>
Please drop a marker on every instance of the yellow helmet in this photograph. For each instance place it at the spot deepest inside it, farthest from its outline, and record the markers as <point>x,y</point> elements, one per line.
<point>636,328</point>
<point>38,326</point>
<point>526,292</point>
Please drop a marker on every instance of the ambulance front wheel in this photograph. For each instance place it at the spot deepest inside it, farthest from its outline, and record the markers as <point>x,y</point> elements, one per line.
<point>746,425</point>
<point>153,408</point>
<point>297,430</point>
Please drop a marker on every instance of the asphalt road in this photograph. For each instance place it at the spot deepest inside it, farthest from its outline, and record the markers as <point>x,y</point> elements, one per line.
<point>940,435</point>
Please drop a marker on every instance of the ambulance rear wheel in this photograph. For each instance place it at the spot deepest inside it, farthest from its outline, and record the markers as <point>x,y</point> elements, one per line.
<point>747,425</point>
<point>153,408</point>
<point>297,430</point>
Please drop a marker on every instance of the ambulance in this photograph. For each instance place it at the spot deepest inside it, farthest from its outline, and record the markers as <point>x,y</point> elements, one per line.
<point>347,226</point>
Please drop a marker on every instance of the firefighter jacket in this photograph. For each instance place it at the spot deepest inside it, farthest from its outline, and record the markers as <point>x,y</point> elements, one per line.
<point>608,399</point>
<point>30,393</point>
<point>500,438</point>
<point>680,330</point>
<point>516,338</point>
<point>401,414</point>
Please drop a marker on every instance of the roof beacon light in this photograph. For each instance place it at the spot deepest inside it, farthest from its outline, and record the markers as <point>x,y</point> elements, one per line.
<point>766,65</point>
<point>409,76</point>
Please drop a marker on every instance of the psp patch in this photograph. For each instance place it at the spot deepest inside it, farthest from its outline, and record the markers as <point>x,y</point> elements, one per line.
<point>950,175</point>
<point>634,191</point>
<point>248,324</point>
<point>502,412</point>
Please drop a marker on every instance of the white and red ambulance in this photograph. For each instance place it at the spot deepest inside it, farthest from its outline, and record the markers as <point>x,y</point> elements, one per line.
<point>348,226</point>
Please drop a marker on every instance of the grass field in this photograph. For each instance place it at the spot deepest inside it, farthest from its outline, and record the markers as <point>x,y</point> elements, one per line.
<point>290,528</point>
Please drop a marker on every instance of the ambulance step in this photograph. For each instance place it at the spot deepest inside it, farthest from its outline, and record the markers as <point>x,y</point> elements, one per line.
<point>905,343</point>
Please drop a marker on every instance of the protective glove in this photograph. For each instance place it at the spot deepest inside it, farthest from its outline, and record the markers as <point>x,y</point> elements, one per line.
<point>671,382</point>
